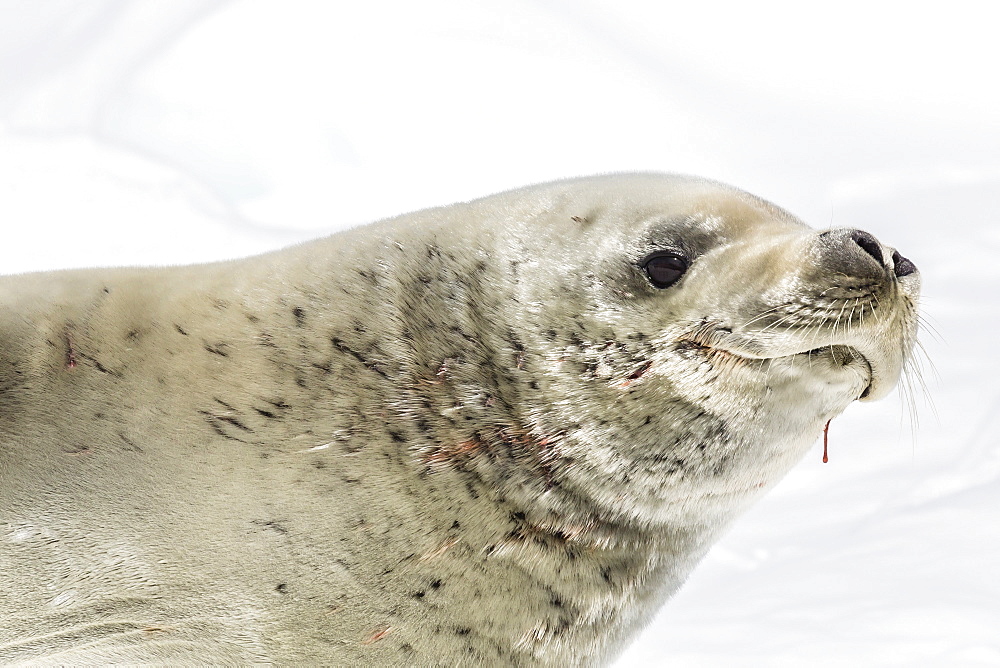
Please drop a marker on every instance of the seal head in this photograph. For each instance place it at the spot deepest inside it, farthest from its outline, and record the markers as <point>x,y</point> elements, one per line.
<point>688,341</point>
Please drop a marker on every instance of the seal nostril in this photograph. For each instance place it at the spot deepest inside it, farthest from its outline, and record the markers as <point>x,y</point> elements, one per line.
<point>869,244</point>
<point>902,266</point>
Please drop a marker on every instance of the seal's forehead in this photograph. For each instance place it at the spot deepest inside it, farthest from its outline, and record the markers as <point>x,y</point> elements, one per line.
<point>683,212</point>
<point>739,211</point>
<point>679,198</point>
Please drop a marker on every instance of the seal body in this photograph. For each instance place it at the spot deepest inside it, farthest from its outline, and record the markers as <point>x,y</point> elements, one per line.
<point>500,432</point>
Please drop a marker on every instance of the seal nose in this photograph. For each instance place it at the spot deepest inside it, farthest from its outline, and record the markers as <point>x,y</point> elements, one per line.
<point>848,249</point>
<point>869,244</point>
<point>901,266</point>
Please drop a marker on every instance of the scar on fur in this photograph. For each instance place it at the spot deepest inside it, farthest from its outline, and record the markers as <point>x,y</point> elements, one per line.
<point>440,549</point>
<point>636,375</point>
<point>443,455</point>
<point>543,449</point>
<point>377,635</point>
<point>440,376</point>
<point>156,629</point>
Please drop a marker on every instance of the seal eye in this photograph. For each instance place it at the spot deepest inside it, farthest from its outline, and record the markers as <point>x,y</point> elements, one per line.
<point>664,269</point>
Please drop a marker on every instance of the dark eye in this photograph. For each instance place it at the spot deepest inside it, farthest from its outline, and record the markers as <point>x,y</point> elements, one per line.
<point>664,269</point>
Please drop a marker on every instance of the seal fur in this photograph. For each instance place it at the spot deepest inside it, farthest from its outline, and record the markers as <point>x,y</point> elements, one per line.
<point>473,434</point>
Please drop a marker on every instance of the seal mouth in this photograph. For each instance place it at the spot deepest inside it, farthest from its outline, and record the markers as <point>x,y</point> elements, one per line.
<point>724,344</point>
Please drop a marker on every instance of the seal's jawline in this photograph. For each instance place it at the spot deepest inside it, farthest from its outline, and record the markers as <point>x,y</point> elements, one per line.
<point>746,357</point>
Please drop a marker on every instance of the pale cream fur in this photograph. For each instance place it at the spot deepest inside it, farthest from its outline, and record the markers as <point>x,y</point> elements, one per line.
<point>470,435</point>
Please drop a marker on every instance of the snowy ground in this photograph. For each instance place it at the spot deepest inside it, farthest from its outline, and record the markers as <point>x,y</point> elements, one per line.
<point>169,131</point>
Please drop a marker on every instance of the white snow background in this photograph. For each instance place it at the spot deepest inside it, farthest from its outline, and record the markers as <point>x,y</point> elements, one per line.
<point>174,131</point>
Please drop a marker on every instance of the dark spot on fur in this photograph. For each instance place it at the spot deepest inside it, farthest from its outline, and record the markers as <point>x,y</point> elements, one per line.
<point>266,339</point>
<point>396,436</point>
<point>436,584</point>
<point>418,594</point>
<point>340,345</point>
<point>233,421</point>
<point>218,422</point>
<point>223,404</point>
<point>722,465</point>
<point>273,525</point>
<point>217,428</point>
<point>638,373</point>
<point>368,276</point>
<point>267,414</point>
<point>463,631</point>
<point>281,588</point>
<point>133,335</point>
<point>300,316</point>
<point>97,365</point>
<point>129,443</point>
<point>180,329</point>
<point>465,335</point>
<point>218,349</point>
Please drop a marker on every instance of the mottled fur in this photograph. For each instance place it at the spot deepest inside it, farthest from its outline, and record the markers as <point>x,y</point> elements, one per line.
<point>474,434</point>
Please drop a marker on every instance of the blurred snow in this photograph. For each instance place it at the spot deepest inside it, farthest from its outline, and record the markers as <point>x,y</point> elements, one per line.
<point>169,131</point>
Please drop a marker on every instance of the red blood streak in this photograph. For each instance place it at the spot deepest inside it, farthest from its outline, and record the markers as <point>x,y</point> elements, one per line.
<point>826,430</point>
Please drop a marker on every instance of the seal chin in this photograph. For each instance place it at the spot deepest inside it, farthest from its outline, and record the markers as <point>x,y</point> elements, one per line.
<point>845,355</point>
<point>869,363</point>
